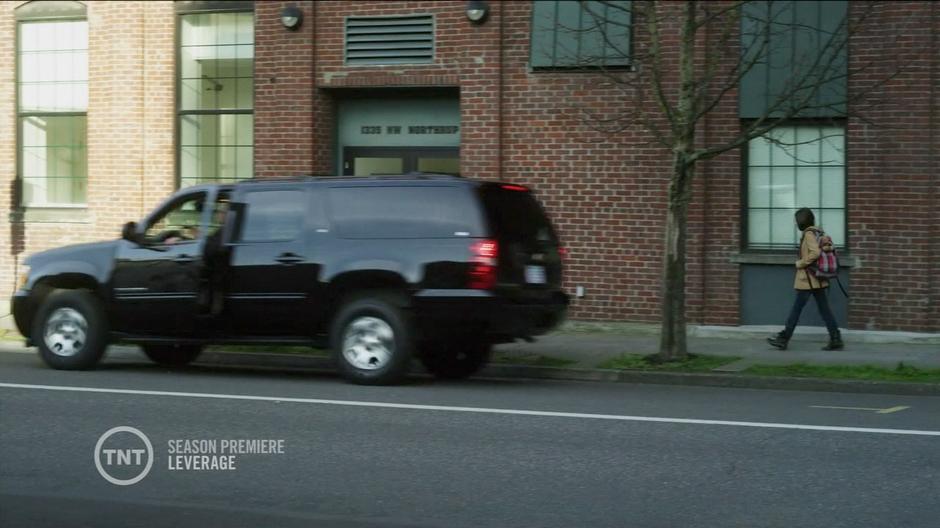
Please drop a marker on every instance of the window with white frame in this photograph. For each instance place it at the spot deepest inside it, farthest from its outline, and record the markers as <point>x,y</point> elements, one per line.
<point>792,167</point>
<point>52,103</point>
<point>216,97</point>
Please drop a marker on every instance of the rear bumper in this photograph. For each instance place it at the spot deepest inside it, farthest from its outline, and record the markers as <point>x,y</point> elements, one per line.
<point>444,313</point>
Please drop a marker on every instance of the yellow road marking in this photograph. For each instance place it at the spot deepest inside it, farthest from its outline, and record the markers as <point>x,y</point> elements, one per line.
<point>876,410</point>
<point>893,409</point>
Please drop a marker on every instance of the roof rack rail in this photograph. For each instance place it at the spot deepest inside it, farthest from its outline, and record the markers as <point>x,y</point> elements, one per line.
<point>311,177</point>
<point>299,177</point>
<point>417,174</point>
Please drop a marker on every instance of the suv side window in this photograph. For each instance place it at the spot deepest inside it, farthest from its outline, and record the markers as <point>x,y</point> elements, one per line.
<point>272,215</point>
<point>179,223</point>
<point>407,211</point>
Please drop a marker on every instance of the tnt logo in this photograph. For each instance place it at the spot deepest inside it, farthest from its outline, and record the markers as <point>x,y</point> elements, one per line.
<point>123,455</point>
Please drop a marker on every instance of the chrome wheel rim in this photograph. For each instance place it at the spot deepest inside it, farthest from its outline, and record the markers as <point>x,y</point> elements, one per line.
<point>368,343</point>
<point>65,332</point>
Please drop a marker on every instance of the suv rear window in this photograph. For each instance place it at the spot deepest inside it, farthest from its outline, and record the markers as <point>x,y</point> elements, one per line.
<point>405,212</point>
<point>516,215</point>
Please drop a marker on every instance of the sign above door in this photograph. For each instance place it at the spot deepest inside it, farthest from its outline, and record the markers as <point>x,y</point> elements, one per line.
<point>399,122</point>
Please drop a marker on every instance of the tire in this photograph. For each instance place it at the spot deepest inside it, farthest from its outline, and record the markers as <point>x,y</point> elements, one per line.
<point>371,339</point>
<point>71,330</point>
<point>172,355</point>
<point>455,360</point>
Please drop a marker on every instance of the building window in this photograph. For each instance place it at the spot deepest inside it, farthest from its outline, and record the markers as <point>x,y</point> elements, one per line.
<point>216,97</point>
<point>793,167</point>
<point>52,103</point>
<point>580,34</point>
<point>794,48</point>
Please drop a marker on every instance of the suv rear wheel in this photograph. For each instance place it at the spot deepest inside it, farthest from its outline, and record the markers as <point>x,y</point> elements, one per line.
<point>454,360</point>
<point>172,355</point>
<point>70,330</point>
<point>371,340</point>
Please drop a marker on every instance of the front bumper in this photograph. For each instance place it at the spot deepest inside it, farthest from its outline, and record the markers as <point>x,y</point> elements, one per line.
<point>23,312</point>
<point>444,313</point>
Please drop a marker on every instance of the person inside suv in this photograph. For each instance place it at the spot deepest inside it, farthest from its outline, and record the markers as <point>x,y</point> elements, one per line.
<point>178,225</point>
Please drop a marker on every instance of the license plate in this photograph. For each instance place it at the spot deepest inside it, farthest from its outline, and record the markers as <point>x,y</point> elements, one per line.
<point>535,274</point>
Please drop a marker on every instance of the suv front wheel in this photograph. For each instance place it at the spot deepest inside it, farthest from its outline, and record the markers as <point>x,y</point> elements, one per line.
<point>371,340</point>
<point>71,330</point>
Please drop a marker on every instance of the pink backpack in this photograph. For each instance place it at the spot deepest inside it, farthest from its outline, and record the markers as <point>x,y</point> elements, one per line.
<point>827,265</point>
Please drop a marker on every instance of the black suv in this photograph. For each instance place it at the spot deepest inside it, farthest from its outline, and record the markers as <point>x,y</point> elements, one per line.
<point>379,269</point>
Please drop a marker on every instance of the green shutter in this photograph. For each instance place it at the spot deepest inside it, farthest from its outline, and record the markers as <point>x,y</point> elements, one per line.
<point>619,21</point>
<point>799,43</point>
<point>834,93</point>
<point>568,34</point>
<point>542,46</point>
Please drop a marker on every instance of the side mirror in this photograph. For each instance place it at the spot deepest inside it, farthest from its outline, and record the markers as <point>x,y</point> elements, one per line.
<point>129,232</point>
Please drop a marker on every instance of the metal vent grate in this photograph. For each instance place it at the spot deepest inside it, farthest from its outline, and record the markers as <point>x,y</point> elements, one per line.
<point>390,40</point>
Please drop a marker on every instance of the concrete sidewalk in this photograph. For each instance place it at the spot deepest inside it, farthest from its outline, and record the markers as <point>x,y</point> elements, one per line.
<point>589,345</point>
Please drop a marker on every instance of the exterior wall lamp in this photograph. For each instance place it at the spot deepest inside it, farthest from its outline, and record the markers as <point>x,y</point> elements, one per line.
<point>292,17</point>
<point>477,10</point>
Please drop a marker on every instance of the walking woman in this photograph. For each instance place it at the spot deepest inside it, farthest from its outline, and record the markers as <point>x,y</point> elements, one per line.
<point>807,284</point>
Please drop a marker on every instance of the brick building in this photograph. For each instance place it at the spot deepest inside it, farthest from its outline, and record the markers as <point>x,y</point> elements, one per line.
<point>108,107</point>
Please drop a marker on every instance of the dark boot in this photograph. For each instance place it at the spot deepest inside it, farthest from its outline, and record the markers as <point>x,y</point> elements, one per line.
<point>779,341</point>
<point>835,342</point>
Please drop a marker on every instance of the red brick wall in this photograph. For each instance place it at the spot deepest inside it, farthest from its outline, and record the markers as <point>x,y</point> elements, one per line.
<point>466,55</point>
<point>129,137</point>
<point>892,171</point>
<point>8,231</point>
<point>285,99</point>
<point>933,310</point>
<point>606,191</point>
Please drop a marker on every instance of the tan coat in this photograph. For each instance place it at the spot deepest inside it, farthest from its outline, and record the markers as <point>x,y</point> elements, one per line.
<point>809,254</point>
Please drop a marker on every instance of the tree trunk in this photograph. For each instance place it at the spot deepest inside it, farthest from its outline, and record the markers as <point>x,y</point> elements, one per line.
<point>672,341</point>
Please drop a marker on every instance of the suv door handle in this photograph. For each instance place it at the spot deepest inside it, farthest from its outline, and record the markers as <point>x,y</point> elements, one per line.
<point>184,259</point>
<point>289,258</point>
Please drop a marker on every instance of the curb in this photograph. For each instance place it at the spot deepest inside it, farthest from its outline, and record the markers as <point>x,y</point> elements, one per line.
<point>502,371</point>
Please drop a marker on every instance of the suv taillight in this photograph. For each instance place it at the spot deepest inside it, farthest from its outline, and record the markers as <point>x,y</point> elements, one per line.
<point>482,271</point>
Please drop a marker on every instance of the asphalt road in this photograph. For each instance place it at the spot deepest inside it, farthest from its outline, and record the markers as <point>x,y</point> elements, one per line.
<point>500,453</point>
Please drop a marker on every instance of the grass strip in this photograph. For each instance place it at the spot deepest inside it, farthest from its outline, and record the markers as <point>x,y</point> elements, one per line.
<point>535,360</point>
<point>859,372</point>
<point>693,363</point>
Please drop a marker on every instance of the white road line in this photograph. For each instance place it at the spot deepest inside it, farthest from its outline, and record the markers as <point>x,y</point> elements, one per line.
<point>481,410</point>
<point>876,410</point>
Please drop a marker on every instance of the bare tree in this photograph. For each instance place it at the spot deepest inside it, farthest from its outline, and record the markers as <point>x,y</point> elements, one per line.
<point>688,58</point>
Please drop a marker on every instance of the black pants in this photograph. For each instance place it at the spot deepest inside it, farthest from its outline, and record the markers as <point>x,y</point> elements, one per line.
<point>822,302</point>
